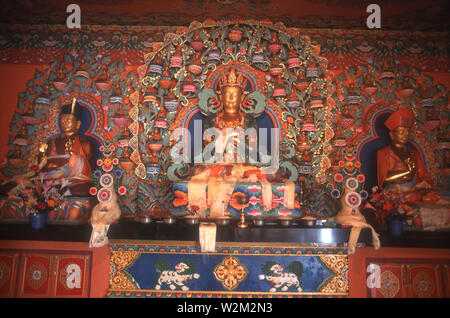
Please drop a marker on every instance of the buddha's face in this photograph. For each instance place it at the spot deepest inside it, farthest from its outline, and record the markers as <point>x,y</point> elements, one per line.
<point>231,99</point>
<point>68,124</point>
<point>399,135</point>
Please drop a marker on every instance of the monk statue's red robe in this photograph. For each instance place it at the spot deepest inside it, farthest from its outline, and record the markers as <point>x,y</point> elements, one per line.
<point>388,161</point>
<point>74,164</point>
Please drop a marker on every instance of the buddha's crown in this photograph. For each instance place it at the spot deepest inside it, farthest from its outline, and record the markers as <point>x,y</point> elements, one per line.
<point>232,80</point>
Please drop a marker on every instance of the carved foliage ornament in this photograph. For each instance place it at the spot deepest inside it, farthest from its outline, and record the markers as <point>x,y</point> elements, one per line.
<point>292,82</point>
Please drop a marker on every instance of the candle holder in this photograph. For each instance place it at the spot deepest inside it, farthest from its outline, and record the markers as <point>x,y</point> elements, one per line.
<point>242,200</point>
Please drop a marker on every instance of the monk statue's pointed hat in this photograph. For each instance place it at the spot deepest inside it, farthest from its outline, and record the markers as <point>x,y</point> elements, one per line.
<point>73,108</point>
<point>401,118</point>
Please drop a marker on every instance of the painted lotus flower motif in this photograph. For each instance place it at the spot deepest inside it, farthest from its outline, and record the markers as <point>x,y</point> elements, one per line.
<point>181,198</point>
<point>107,149</point>
<point>92,190</point>
<point>107,163</point>
<point>122,190</point>
<point>104,195</point>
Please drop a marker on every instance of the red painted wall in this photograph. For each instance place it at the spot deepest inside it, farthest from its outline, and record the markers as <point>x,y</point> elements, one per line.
<point>100,259</point>
<point>13,80</point>
<point>357,263</point>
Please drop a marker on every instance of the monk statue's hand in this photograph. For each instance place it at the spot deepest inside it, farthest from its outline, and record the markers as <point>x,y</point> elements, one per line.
<point>43,148</point>
<point>423,185</point>
<point>410,164</point>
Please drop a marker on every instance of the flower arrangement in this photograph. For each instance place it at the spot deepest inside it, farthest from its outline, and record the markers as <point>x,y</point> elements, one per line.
<point>390,205</point>
<point>40,195</point>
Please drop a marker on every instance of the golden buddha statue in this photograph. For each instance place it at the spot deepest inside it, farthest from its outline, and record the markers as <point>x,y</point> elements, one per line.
<point>230,121</point>
<point>231,115</point>
<point>69,155</point>
<point>398,165</point>
<point>220,177</point>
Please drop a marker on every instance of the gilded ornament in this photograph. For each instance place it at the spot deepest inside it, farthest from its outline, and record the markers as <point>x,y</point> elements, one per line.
<point>36,275</point>
<point>390,284</point>
<point>338,264</point>
<point>423,285</point>
<point>230,273</point>
<point>120,260</point>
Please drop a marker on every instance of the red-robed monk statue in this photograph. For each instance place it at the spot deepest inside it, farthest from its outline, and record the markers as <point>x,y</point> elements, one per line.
<point>402,172</point>
<point>68,155</point>
<point>400,166</point>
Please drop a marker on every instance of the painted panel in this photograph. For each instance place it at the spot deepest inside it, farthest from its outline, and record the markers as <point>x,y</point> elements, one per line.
<point>163,270</point>
<point>390,282</point>
<point>72,279</point>
<point>8,272</point>
<point>424,281</point>
<point>35,276</point>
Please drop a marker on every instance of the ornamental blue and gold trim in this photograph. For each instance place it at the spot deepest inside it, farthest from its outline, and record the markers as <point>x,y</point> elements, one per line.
<point>180,269</point>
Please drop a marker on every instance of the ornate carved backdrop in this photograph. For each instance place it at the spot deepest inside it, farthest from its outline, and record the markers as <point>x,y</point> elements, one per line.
<point>292,77</point>
<point>107,55</point>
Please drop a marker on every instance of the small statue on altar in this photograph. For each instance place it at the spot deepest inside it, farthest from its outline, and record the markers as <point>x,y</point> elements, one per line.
<point>69,155</point>
<point>306,156</point>
<point>399,165</point>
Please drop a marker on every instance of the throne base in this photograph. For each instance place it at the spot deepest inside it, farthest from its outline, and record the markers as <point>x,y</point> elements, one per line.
<point>254,209</point>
